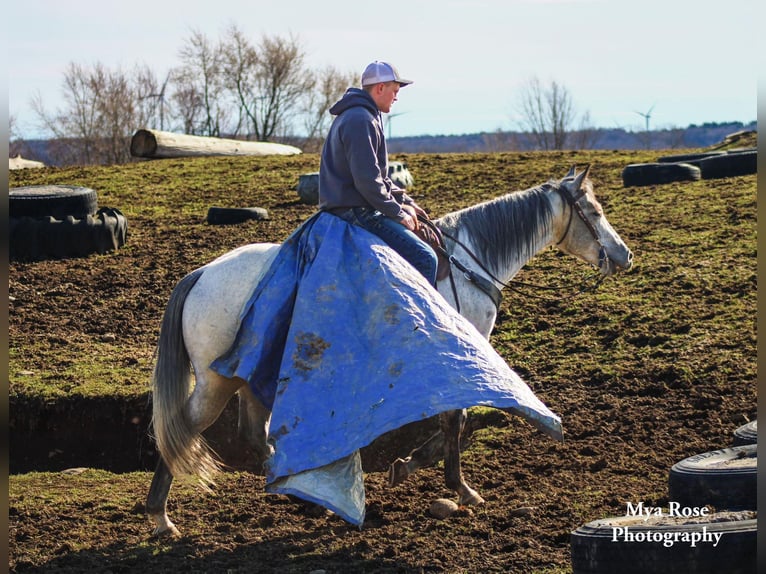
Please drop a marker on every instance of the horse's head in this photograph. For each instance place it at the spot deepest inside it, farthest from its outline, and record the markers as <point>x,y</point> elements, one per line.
<point>584,230</point>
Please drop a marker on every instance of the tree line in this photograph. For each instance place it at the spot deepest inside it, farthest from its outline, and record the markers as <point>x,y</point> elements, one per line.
<point>230,87</point>
<point>236,88</point>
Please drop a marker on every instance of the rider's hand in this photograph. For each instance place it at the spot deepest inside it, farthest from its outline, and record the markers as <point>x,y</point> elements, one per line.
<point>419,212</point>
<point>409,222</point>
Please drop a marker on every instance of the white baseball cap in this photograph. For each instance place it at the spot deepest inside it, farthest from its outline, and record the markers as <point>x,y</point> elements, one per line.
<point>378,72</point>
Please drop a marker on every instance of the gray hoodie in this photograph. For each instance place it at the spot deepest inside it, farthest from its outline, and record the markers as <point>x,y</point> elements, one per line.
<point>354,167</point>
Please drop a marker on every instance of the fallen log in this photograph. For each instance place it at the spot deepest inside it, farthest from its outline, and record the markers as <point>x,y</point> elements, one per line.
<point>157,144</point>
<point>19,162</point>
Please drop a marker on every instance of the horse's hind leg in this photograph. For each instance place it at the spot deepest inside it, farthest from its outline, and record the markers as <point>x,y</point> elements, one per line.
<point>254,423</point>
<point>156,501</point>
<point>210,395</point>
<point>425,455</point>
<point>453,423</point>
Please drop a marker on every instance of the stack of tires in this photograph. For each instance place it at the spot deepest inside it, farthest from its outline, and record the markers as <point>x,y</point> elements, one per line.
<point>308,183</point>
<point>710,524</point>
<point>61,221</point>
<point>692,167</point>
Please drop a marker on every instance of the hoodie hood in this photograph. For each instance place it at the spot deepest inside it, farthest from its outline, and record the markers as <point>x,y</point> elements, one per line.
<point>352,98</point>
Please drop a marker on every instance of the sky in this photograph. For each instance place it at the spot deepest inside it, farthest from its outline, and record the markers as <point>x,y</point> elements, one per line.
<point>681,62</point>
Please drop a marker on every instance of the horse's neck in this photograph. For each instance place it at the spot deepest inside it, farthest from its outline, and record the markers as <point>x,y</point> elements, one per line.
<point>506,263</point>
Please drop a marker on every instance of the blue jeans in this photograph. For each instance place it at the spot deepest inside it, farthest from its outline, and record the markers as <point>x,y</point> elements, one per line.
<point>416,251</point>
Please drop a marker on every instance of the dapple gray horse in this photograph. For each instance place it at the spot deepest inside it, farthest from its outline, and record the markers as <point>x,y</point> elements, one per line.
<point>489,243</point>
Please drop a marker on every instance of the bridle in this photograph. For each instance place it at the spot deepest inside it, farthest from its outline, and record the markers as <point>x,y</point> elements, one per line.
<point>491,289</point>
<point>572,200</point>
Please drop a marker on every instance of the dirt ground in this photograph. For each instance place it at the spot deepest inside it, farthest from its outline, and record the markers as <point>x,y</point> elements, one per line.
<point>684,392</point>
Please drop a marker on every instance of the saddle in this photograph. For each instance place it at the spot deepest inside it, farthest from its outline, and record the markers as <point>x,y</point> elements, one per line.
<point>432,235</point>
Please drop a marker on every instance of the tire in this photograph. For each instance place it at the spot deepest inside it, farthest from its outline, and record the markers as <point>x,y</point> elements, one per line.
<point>746,434</point>
<point>741,150</point>
<point>57,201</point>
<point>594,549</point>
<point>39,238</point>
<point>229,215</point>
<point>685,158</point>
<point>728,165</point>
<point>724,479</point>
<point>308,183</point>
<point>637,174</point>
<point>308,188</point>
<point>400,174</point>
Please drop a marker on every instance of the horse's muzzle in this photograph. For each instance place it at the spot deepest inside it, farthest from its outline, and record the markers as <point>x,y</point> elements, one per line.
<point>609,266</point>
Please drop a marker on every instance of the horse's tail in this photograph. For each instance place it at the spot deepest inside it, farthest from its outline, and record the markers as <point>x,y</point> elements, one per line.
<point>184,451</point>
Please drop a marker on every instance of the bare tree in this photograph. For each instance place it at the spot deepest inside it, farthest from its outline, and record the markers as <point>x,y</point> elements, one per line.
<point>186,100</point>
<point>281,81</point>
<point>116,106</point>
<point>586,136</point>
<point>199,83</point>
<point>547,113</point>
<point>240,63</point>
<point>262,91</point>
<point>79,118</point>
<point>329,85</point>
<point>12,130</point>
<point>13,135</point>
<point>102,109</point>
<point>271,86</point>
<point>498,141</point>
<point>16,145</point>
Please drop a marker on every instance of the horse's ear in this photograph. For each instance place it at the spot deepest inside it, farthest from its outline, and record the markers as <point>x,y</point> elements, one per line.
<point>581,178</point>
<point>571,172</point>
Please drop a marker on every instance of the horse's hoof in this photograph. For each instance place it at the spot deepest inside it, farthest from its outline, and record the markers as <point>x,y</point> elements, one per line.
<point>398,471</point>
<point>471,498</point>
<point>167,531</point>
<point>164,534</point>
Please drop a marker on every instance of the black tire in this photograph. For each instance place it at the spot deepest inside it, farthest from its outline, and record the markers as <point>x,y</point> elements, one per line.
<point>229,215</point>
<point>746,434</point>
<point>595,550</point>
<point>38,238</point>
<point>400,174</point>
<point>658,173</point>
<point>742,150</point>
<point>685,158</point>
<point>57,201</point>
<point>724,479</point>
<point>308,183</point>
<point>728,165</point>
<point>308,188</point>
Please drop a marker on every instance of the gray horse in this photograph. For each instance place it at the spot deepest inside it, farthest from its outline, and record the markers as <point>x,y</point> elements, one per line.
<point>490,241</point>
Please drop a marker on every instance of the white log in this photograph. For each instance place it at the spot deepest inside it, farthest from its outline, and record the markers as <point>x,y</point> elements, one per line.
<point>159,144</point>
<point>19,162</point>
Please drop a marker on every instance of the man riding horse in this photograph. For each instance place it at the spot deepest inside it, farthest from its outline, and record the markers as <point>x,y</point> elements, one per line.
<point>353,173</point>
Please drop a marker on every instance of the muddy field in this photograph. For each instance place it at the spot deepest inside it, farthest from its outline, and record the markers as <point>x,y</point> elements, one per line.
<point>656,365</point>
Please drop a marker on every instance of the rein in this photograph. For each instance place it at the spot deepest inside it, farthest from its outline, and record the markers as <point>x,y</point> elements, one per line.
<point>492,291</point>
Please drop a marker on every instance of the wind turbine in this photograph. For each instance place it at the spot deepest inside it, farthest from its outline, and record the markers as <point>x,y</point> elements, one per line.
<point>161,97</point>
<point>647,116</point>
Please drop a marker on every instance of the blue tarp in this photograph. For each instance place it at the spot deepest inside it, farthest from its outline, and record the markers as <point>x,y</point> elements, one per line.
<point>344,341</point>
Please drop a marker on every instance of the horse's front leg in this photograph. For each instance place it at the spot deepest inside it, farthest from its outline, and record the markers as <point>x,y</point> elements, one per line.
<point>453,423</point>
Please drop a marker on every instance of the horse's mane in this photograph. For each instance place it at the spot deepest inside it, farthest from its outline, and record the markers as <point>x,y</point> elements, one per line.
<point>506,228</point>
